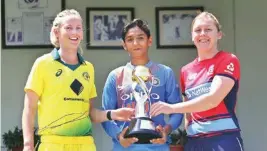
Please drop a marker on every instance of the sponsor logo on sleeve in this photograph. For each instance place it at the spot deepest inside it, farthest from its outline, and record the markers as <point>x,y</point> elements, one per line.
<point>230,68</point>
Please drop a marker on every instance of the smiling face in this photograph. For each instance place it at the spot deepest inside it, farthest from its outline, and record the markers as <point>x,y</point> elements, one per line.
<point>205,33</point>
<point>137,42</point>
<point>70,32</point>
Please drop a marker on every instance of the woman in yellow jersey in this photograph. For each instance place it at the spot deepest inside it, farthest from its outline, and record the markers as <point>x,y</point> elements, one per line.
<point>61,87</point>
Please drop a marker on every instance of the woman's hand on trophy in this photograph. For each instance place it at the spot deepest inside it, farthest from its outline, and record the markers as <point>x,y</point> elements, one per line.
<point>161,107</point>
<point>122,114</point>
<point>126,142</point>
<point>163,133</point>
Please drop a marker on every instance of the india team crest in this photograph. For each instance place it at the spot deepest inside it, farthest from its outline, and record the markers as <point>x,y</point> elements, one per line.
<point>155,81</point>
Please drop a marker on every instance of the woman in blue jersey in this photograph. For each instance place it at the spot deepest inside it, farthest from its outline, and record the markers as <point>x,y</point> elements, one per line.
<point>116,94</point>
<point>209,85</point>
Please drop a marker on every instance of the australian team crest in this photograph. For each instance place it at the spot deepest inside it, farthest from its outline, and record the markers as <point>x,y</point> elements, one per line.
<point>86,76</point>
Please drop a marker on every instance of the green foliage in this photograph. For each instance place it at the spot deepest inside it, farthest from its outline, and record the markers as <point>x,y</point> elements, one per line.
<point>14,138</point>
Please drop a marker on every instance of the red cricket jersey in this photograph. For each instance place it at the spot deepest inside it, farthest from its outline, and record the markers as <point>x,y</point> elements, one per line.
<point>195,79</point>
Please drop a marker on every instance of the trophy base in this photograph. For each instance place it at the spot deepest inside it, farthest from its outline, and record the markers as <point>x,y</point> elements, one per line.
<point>144,133</point>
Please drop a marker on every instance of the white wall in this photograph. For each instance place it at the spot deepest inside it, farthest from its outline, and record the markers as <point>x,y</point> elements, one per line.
<point>16,64</point>
<point>251,42</point>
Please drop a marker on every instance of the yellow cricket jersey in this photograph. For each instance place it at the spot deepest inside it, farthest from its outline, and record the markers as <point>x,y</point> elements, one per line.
<point>63,107</point>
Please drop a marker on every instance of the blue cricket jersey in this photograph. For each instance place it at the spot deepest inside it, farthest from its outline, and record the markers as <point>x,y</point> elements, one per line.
<point>117,94</point>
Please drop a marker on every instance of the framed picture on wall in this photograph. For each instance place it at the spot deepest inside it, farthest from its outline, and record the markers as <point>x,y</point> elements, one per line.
<point>173,26</point>
<point>27,23</point>
<point>104,26</point>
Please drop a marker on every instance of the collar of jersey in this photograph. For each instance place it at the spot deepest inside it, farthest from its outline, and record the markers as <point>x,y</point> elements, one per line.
<point>149,64</point>
<point>56,55</point>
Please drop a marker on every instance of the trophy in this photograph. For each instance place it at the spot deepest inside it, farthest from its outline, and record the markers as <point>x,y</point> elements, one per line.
<point>142,126</point>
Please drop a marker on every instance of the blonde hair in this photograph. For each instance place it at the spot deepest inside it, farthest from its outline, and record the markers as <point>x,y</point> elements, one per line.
<point>208,15</point>
<point>58,21</point>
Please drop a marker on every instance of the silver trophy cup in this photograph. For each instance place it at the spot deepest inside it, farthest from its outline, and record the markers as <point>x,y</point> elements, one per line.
<point>142,126</point>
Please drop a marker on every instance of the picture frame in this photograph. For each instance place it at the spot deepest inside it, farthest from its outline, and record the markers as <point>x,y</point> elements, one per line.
<point>173,26</point>
<point>104,26</point>
<point>27,23</point>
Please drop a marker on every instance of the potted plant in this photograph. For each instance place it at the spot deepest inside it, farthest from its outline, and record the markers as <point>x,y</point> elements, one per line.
<point>13,140</point>
<point>178,138</point>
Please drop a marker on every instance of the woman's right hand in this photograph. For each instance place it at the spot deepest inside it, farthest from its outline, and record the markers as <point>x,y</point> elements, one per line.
<point>122,114</point>
<point>126,142</point>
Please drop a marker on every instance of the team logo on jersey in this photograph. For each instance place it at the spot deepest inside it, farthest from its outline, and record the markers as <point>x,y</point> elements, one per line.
<point>210,70</point>
<point>155,81</point>
<point>59,72</point>
<point>86,76</point>
<point>191,76</point>
<point>230,68</point>
<point>77,87</point>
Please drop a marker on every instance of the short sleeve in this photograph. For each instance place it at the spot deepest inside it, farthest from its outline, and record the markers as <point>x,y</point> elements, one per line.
<point>92,92</point>
<point>35,80</point>
<point>229,67</point>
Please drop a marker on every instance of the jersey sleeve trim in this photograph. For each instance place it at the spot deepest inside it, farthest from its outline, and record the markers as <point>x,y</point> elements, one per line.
<point>227,75</point>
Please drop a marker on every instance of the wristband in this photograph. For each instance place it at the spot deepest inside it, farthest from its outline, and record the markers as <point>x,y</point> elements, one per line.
<point>109,115</point>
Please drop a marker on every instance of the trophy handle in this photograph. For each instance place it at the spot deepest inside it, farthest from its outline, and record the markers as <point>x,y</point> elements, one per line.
<point>140,104</point>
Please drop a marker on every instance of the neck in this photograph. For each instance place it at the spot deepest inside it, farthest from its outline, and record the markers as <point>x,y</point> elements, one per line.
<point>139,61</point>
<point>207,54</point>
<point>68,56</point>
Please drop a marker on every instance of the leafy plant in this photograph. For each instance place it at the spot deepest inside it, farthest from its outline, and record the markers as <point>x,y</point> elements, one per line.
<point>12,139</point>
<point>178,137</point>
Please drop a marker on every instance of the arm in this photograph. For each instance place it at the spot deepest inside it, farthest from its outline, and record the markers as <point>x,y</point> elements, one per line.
<point>99,116</point>
<point>109,102</point>
<point>227,73</point>
<point>220,87</point>
<point>172,97</point>
<point>28,116</point>
<point>96,115</point>
<point>33,89</point>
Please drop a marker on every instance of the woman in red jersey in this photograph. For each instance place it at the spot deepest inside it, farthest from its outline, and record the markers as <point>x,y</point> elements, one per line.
<point>209,85</point>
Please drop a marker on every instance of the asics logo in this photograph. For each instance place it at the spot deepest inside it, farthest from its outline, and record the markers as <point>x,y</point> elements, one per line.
<point>59,72</point>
